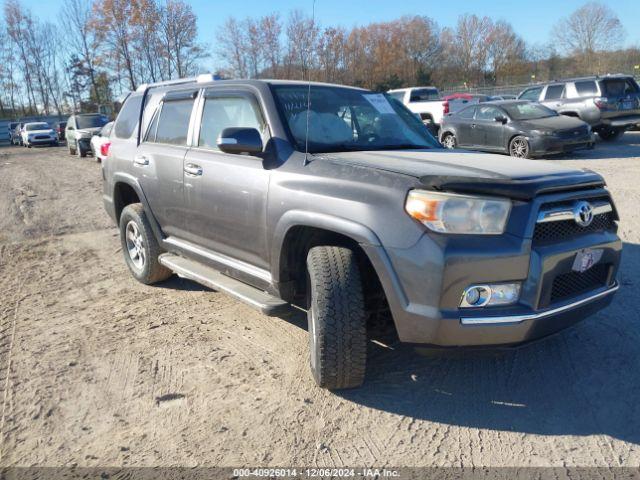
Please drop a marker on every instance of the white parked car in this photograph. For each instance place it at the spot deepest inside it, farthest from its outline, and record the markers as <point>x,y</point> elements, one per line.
<point>38,133</point>
<point>424,101</point>
<point>100,142</point>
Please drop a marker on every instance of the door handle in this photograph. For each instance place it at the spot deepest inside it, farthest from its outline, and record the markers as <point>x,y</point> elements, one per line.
<point>473,125</point>
<point>141,160</point>
<point>193,170</point>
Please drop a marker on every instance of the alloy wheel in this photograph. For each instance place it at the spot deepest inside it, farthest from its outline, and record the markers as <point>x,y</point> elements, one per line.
<point>135,245</point>
<point>520,148</point>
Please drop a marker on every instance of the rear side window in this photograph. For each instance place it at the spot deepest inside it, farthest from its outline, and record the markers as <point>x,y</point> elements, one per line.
<point>532,94</point>
<point>554,92</point>
<point>467,113</point>
<point>127,118</point>
<point>225,112</point>
<point>586,87</point>
<point>173,122</point>
<point>424,95</point>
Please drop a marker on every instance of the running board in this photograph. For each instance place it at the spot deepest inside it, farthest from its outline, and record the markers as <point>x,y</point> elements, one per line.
<point>210,277</point>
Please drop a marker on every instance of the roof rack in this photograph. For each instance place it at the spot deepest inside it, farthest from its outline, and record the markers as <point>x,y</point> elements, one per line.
<point>202,78</point>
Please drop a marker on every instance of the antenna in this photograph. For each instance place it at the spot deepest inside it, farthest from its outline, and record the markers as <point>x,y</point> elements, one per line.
<point>306,135</point>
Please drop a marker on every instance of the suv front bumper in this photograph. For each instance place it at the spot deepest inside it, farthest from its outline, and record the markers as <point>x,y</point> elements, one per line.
<point>428,279</point>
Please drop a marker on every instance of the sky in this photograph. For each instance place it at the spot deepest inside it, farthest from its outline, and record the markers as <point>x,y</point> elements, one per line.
<point>531,19</point>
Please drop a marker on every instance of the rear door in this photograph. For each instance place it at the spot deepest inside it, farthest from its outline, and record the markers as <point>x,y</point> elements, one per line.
<point>158,160</point>
<point>464,126</point>
<point>488,133</point>
<point>226,194</point>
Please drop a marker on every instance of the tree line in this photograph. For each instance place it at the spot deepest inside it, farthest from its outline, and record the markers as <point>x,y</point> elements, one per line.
<point>92,53</point>
<point>97,50</point>
<point>414,50</point>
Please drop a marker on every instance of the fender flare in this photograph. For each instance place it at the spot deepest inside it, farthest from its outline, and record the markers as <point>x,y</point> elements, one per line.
<point>303,218</point>
<point>130,180</point>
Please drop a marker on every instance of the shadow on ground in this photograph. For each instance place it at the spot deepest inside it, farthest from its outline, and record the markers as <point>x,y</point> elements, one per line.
<point>627,146</point>
<point>583,381</point>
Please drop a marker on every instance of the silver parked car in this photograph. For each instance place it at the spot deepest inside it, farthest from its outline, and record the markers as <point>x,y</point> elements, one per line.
<point>610,104</point>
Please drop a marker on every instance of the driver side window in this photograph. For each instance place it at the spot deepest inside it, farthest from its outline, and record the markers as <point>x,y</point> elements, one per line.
<point>226,112</point>
<point>487,113</point>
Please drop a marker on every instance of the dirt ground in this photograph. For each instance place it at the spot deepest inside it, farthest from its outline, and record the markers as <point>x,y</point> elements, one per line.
<point>99,370</point>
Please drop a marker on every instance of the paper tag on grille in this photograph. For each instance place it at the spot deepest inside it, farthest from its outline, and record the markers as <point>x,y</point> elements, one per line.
<point>587,258</point>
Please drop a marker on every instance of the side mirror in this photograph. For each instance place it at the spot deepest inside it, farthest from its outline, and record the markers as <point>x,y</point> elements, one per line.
<point>501,118</point>
<point>240,140</point>
<point>70,128</point>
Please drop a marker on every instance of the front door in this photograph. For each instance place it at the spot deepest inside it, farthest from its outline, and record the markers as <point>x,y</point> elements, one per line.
<point>226,194</point>
<point>488,132</point>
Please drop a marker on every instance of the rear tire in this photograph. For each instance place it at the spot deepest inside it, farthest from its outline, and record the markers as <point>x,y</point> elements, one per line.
<point>79,152</point>
<point>449,141</point>
<point>337,319</point>
<point>609,134</point>
<point>140,247</point>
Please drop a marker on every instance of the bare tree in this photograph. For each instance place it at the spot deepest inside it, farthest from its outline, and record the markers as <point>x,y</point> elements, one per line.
<point>178,36</point>
<point>505,50</point>
<point>592,28</point>
<point>80,38</point>
<point>270,30</point>
<point>232,47</point>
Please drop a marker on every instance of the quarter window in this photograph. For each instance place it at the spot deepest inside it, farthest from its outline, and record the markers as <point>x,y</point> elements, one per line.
<point>585,88</point>
<point>227,112</point>
<point>532,94</point>
<point>127,119</point>
<point>173,122</point>
<point>554,92</point>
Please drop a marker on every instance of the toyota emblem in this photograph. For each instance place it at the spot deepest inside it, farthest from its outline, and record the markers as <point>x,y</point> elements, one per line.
<point>583,214</point>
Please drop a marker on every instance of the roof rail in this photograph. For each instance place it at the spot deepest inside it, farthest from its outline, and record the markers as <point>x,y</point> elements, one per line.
<point>177,81</point>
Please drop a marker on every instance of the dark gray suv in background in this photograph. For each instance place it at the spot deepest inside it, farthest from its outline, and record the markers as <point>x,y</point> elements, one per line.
<point>610,104</point>
<point>338,200</point>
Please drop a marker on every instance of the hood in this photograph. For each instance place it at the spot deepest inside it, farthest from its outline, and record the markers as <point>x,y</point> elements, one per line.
<point>561,122</point>
<point>471,172</point>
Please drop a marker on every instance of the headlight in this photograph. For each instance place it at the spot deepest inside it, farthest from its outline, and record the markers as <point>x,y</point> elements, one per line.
<point>462,214</point>
<point>543,133</point>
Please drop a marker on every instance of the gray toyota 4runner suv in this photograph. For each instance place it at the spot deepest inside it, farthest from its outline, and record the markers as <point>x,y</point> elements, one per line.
<point>464,249</point>
<point>610,104</point>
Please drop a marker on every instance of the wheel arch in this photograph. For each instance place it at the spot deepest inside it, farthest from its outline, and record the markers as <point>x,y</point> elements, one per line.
<point>299,231</point>
<point>127,190</point>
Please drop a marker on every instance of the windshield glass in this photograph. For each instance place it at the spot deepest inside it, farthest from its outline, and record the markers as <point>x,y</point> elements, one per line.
<point>346,119</point>
<point>92,121</point>
<point>528,111</point>
<point>37,126</point>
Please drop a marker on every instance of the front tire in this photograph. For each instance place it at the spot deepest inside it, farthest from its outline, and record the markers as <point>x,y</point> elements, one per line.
<point>336,317</point>
<point>519,147</point>
<point>140,247</point>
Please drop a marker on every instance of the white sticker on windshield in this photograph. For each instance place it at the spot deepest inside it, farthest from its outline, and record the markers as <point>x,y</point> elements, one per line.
<point>379,102</point>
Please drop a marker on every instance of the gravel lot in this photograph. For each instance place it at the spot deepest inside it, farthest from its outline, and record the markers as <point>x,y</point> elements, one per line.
<point>99,370</point>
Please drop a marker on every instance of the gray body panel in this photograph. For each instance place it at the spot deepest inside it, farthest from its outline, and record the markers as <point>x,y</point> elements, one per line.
<point>236,217</point>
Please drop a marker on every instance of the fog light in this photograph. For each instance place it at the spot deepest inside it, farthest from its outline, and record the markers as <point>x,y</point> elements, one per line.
<point>490,295</point>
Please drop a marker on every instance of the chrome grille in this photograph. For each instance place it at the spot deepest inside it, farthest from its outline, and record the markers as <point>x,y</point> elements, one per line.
<point>565,229</point>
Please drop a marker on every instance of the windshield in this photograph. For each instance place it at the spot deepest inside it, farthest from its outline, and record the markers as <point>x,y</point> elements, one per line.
<point>528,111</point>
<point>37,126</point>
<point>92,121</point>
<point>346,119</point>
